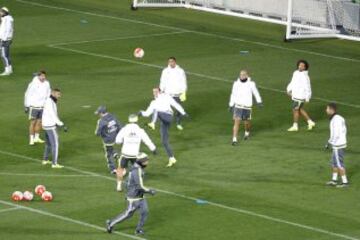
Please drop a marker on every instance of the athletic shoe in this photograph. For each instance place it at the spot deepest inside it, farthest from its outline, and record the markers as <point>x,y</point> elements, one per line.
<point>246,137</point>
<point>139,232</point>
<point>179,127</point>
<point>113,171</point>
<point>116,155</point>
<point>45,162</point>
<point>109,228</point>
<point>172,161</point>
<point>38,140</point>
<point>293,129</point>
<point>331,183</point>
<point>343,185</point>
<point>311,125</point>
<point>234,143</point>
<point>151,125</point>
<point>57,166</point>
<point>31,143</point>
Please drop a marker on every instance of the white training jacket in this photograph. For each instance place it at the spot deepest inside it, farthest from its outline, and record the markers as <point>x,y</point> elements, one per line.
<point>50,117</point>
<point>6,28</point>
<point>242,94</point>
<point>337,132</point>
<point>163,103</point>
<point>131,136</point>
<point>300,87</point>
<point>37,93</point>
<point>173,81</point>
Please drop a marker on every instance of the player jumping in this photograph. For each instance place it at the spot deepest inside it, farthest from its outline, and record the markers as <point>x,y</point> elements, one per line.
<point>299,89</point>
<point>241,102</point>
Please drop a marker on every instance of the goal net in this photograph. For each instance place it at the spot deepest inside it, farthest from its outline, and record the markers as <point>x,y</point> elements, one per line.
<point>303,18</point>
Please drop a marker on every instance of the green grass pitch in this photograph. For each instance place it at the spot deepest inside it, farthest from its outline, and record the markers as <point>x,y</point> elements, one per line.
<point>271,187</point>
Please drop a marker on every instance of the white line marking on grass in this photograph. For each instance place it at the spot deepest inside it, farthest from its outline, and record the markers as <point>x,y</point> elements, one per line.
<point>67,219</point>
<point>233,209</point>
<point>189,73</point>
<point>183,29</point>
<point>9,209</point>
<point>44,175</point>
<point>86,106</point>
<point>118,38</point>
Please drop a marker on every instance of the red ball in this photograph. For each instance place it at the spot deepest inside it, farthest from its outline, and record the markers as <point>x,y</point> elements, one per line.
<point>17,196</point>
<point>40,189</point>
<point>47,196</point>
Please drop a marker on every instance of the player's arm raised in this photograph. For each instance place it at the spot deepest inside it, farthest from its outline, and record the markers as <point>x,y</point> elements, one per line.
<point>177,106</point>
<point>146,139</point>
<point>149,110</point>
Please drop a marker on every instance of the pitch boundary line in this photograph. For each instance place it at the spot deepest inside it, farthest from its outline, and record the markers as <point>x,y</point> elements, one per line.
<point>117,38</point>
<point>233,209</point>
<point>66,219</point>
<point>189,73</point>
<point>192,31</point>
<point>44,175</point>
<point>9,209</point>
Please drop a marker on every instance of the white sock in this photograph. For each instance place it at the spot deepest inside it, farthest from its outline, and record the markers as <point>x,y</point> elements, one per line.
<point>334,177</point>
<point>119,184</point>
<point>344,179</point>
<point>295,124</point>
<point>37,135</point>
<point>32,138</point>
<point>310,121</point>
<point>234,139</point>
<point>247,133</point>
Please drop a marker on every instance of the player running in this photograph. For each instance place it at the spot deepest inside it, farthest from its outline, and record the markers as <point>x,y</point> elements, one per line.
<point>131,137</point>
<point>173,82</point>
<point>135,197</point>
<point>161,107</point>
<point>50,121</point>
<point>299,89</point>
<point>241,102</point>
<point>338,143</point>
<point>107,128</point>
<point>35,96</point>
<point>6,36</point>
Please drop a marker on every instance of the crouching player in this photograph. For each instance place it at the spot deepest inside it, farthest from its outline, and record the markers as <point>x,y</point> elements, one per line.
<point>135,196</point>
<point>131,137</point>
<point>241,102</point>
<point>107,128</point>
<point>338,143</point>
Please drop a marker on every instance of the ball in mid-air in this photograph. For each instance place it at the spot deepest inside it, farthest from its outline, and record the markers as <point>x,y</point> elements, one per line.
<point>28,196</point>
<point>47,196</point>
<point>139,53</point>
<point>17,196</point>
<point>40,189</point>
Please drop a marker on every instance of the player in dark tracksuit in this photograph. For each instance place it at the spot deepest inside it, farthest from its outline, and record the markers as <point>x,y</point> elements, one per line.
<point>107,128</point>
<point>135,197</point>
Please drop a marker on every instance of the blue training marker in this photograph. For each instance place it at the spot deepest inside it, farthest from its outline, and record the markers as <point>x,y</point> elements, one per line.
<point>200,201</point>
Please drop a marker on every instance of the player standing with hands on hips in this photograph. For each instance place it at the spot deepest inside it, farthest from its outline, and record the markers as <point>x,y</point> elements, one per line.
<point>337,142</point>
<point>6,36</point>
<point>50,122</point>
<point>241,102</point>
<point>299,89</point>
<point>135,197</point>
<point>35,96</point>
<point>173,82</point>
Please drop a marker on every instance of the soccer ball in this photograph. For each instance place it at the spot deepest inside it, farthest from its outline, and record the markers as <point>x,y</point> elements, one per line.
<point>139,53</point>
<point>17,196</point>
<point>28,196</point>
<point>40,189</point>
<point>47,196</point>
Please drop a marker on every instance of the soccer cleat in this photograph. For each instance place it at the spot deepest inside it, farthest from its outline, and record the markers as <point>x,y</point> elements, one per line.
<point>109,228</point>
<point>179,127</point>
<point>172,161</point>
<point>139,232</point>
<point>45,162</point>
<point>38,140</point>
<point>293,129</point>
<point>57,166</point>
<point>234,143</point>
<point>311,125</point>
<point>246,137</point>
<point>113,171</point>
<point>31,143</point>
<point>343,185</point>
<point>151,125</point>
<point>331,183</point>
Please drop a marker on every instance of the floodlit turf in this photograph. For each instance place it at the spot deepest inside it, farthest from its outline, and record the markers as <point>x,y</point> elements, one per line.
<point>271,187</point>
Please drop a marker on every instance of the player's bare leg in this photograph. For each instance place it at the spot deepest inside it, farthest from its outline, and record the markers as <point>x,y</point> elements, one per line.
<point>236,127</point>
<point>247,125</point>
<point>342,173</point>
<point>32,131</point>
<point>295,126</point>
<point>334,178</point>
<point>120,173</point>
<point>37,129</point>
<point>311,124</point>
